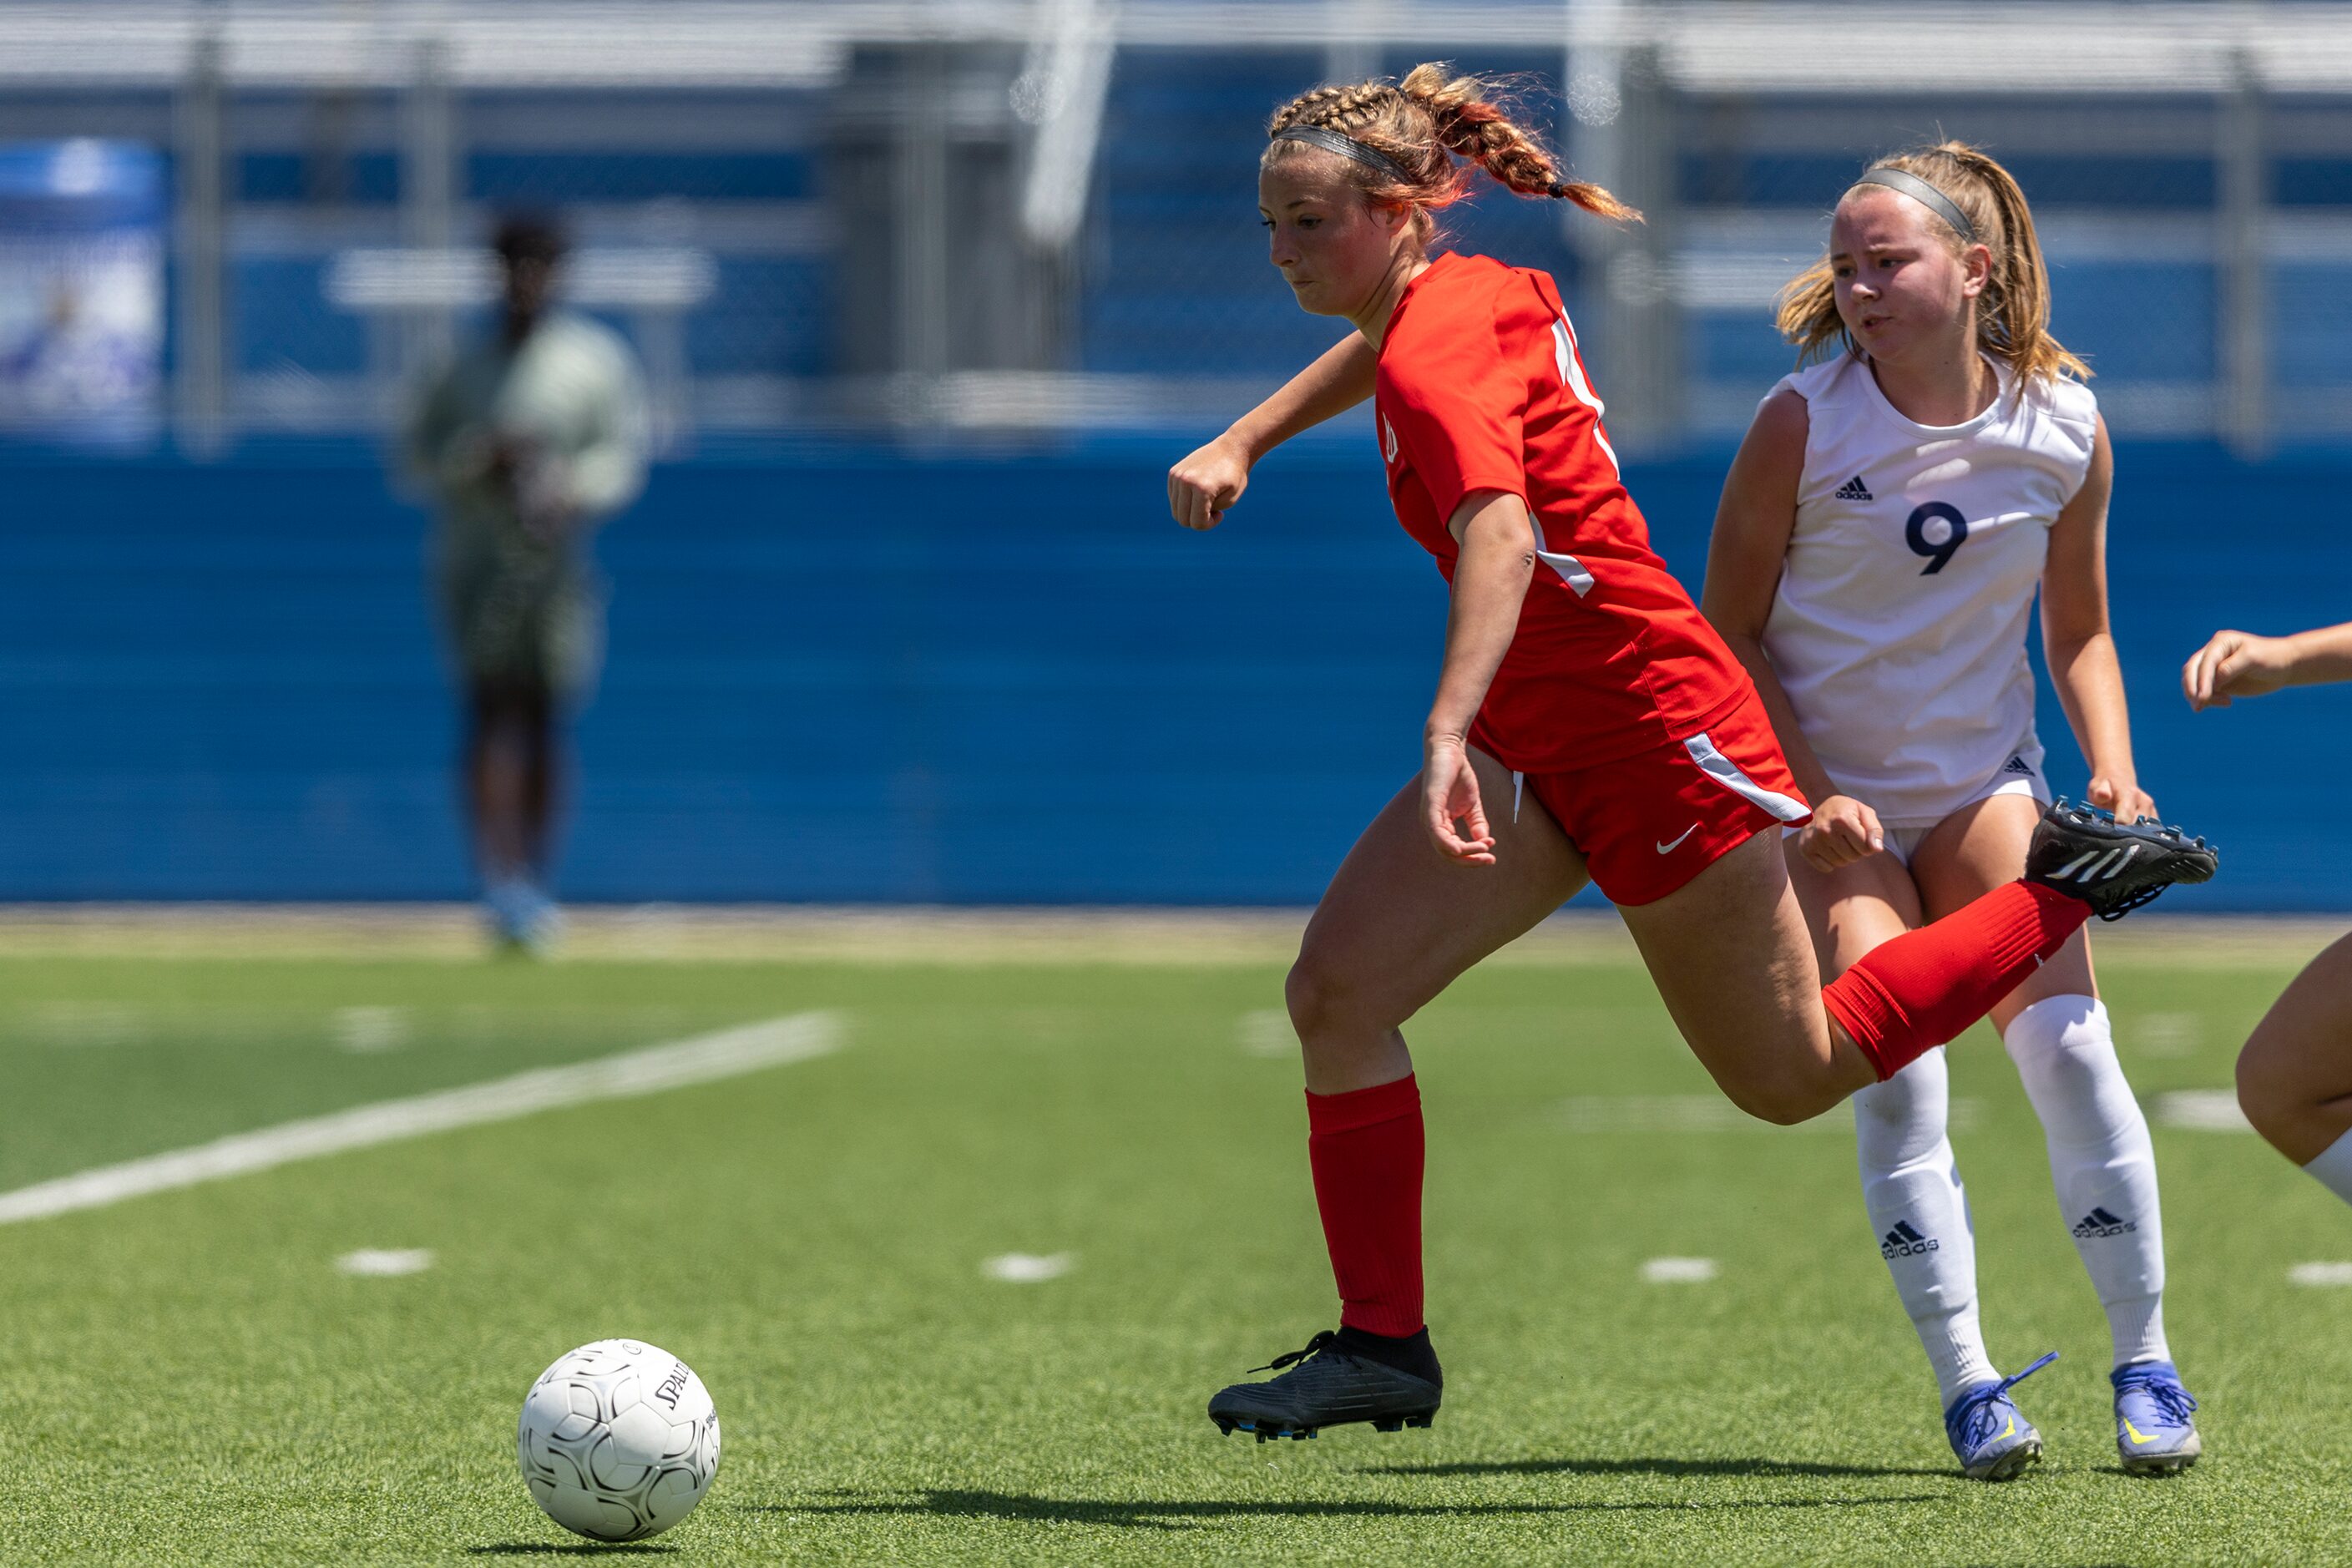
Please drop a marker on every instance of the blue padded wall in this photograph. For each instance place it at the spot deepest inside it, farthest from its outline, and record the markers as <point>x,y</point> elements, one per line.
<point>967,680</point>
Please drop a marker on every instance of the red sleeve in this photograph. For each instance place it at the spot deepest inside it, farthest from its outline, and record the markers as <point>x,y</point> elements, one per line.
<point>1459,402</point>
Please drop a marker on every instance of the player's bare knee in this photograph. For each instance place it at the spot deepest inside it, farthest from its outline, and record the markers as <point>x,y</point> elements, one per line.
<point>2268,1093</point>
<point>1788,1111</point>
<point>1776,1100</point>
<point>1307,997</point>
<point>1325,1000</point>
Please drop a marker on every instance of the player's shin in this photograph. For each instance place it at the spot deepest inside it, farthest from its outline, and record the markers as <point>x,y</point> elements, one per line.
<point>1379,1368</point>
<point>1366,1148</point>
<point>1920,1219</point>
<point>2102,1161</point>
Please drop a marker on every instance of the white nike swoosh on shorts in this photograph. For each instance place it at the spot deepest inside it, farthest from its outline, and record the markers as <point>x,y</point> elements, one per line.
<point>1670,848</point>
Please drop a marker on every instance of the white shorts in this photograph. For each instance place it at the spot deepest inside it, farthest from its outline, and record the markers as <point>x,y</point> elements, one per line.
<point>2021,774</point>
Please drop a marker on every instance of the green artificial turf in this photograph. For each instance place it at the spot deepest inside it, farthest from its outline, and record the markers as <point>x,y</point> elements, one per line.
<point>193,1380</point>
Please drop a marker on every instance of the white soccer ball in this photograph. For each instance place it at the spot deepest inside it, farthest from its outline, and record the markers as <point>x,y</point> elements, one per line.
<point>618,1440</point>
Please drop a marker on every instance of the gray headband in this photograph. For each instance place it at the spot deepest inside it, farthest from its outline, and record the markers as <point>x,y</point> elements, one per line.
<point>1926,195</point>
<point>1348,147</point>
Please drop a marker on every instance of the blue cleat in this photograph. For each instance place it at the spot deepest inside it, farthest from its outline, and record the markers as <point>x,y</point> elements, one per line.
<point>522,918</point>
<point>2153,1432</point>
<point>1991,1439</point>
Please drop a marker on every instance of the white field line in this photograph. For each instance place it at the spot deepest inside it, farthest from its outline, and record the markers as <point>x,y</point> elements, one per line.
<point>702,1059</point>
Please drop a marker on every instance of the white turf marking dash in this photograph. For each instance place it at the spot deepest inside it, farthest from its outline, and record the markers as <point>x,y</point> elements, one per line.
<point>385,1262</point>
<point>1678,1270</point>
<point>89,1023</point>
<point>2320,1274</point>
<point>367,1030</point>
<point>2171,1035</point>
<point>726,1053</point>
<point>1028,1268</point>
<point>1266,1033</point>
<point>2201,1111</point>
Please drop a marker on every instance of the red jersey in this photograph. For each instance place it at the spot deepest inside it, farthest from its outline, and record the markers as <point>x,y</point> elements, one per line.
<point>1480,388</point>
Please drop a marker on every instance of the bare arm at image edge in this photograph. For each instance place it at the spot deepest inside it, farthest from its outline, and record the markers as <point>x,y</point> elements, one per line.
<point>2242,663</point>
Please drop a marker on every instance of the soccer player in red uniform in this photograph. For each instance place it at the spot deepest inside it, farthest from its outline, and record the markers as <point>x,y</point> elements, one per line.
<point>1587,725</point>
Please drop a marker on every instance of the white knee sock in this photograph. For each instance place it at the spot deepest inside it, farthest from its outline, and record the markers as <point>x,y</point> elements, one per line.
<point>2101,1160</point>
<point>1919,1217</point>
<point>2333,1167</point>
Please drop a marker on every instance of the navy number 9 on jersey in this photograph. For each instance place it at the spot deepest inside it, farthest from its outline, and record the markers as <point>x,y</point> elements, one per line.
<point>1936,531</point>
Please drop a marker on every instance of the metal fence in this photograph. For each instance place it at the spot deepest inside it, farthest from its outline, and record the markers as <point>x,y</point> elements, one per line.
<point>858,216</point>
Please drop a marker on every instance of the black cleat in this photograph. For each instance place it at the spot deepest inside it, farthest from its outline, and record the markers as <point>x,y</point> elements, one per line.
<point>2084,852</point>
<point>1328,1386</point>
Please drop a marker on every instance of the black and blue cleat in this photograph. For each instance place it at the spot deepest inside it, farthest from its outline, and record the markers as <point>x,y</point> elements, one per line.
<point>2114,867</point>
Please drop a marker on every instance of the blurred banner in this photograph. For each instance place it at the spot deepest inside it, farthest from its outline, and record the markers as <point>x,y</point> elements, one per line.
<point>81,288</point>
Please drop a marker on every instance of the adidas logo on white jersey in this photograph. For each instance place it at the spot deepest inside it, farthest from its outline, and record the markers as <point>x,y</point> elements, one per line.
<point>1854,489</point>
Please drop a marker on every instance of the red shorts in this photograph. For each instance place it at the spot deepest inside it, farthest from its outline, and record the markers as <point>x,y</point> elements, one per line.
<point>1648,823</point>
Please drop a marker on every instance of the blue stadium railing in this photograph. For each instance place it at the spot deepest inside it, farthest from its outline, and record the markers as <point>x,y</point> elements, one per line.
<point>872,677</point>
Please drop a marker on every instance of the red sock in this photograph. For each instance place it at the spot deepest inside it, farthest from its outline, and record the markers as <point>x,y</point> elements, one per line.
<point>1924,989</point>
<point>1366,1149</point>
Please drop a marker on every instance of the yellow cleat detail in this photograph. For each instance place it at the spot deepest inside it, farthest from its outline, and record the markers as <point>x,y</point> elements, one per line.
<point>2013,1430</point>
<point>2133,1432</point>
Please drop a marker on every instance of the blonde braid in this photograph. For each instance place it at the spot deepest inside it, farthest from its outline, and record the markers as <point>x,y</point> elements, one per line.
<point>1420,124</point>
<point>1470,123</point>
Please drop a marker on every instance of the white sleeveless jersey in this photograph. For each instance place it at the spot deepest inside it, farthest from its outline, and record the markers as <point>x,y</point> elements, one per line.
<point>1899,627</point>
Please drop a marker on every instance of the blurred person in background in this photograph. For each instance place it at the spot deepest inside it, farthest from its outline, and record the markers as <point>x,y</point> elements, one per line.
<point>526,441</point>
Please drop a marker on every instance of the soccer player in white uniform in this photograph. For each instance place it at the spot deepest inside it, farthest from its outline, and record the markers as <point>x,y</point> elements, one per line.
<point>1882,536</point>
